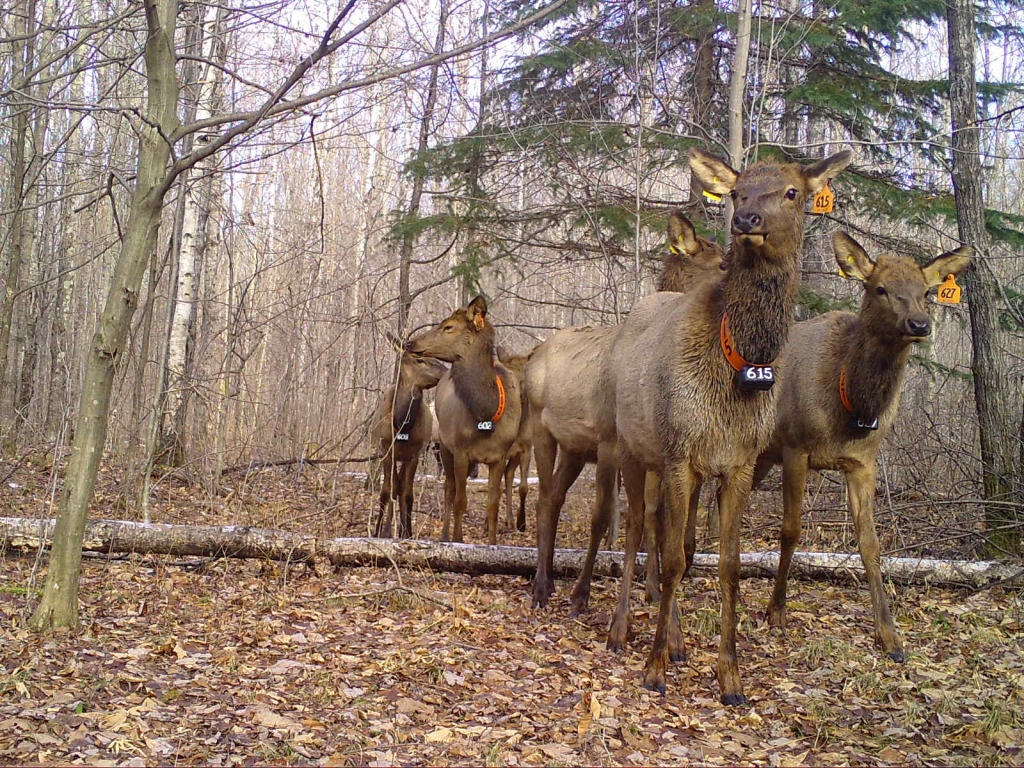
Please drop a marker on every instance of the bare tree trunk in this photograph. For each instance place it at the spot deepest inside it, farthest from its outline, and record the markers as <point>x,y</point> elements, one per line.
<point>737,89</point>
<point>408,239</point>
<point>704,65</point>
<point>59,604</point>
<point>992,383</point>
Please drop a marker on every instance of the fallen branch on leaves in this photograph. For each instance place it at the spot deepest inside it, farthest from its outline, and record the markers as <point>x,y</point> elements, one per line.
<point>239,541</point>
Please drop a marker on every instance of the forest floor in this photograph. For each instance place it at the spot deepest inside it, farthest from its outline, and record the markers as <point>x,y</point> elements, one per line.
<point>190,661</point>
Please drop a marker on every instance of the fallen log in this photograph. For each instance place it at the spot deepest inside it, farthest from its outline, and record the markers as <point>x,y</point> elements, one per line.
<point>119,536</point>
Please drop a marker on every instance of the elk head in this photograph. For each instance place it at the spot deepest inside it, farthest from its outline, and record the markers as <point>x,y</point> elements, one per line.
<point>896,288</point>
<point>465,332</point>
<point>683,240</point>
<point>768,221</point>
<point>420,373</point>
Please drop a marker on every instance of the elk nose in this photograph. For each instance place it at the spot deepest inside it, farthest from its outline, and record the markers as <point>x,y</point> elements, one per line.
<point>918,326</point>
<point>746,222</point>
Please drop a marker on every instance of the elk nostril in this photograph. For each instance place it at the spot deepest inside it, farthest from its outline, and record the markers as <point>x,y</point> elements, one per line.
<point>919,327</point>
<point>754,219</point>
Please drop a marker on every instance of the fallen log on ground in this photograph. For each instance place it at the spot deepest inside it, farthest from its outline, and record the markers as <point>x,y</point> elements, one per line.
<point>117,536</point>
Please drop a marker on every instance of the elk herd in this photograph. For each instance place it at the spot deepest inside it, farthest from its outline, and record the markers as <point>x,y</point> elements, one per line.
<point>709,379</point>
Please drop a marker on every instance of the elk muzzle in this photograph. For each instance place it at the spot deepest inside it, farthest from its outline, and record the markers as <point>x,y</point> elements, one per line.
<point>917,326</point>
<point>749,225</point>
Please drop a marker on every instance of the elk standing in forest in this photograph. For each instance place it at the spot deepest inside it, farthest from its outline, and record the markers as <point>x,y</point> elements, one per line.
<point>690,377</point>
<point>839,391</point>
<point>567,393</point>
<point>401,426</point>
<point>478,408</point>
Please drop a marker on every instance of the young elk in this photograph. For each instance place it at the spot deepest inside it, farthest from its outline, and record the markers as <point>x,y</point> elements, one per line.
<point>519,453</point>
<point>478,407</point>
<point>839,391</point>
<point>690,376</point>
<point>568,392</point>
<point>401,427</point>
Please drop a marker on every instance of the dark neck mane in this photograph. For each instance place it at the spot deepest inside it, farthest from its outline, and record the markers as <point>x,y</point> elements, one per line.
<point>475,386</point>
<point>406,408</point>
<point>874,369</point>
<point>759,295</point>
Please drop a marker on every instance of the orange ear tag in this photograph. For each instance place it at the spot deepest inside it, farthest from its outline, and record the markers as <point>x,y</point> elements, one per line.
<point>949,291</point>
<point>823,201</point>
<point>478,322</point>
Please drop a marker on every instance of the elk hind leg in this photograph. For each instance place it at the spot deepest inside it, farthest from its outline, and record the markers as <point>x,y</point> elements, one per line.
<point>794,477</point>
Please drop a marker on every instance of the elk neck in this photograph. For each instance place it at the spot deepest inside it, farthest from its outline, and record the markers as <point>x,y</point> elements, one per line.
<point>473,375</point>
<point>406,408</point>
<point>874,366</point>
<point>758,295</point>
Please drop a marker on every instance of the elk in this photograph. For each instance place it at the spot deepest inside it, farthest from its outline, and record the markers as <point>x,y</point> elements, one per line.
<point>690,377</point>
<point>567,393</point>
<point>839,391</point>
<point>478,406</point>
<point>401,426</point>
<point>519,454</point>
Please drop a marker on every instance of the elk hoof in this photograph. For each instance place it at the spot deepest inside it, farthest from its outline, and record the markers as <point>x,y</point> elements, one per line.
<point>578,604</point>
<point>677,655</point>
<point>777,619</point>
<point>616,639</point>
<point>653,595</point>
<point>734,699</point>
<point>655,685</point>
<point>898,656</point>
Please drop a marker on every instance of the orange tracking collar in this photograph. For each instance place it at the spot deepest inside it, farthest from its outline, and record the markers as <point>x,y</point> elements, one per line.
<point>728,348</point>
<point>857,423</point>
<point>749,376</point>
<point>501,398</point>
<point>843,394</point>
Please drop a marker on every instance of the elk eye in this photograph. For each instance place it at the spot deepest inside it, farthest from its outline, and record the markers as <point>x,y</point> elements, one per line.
<point>448,328</point>
<point>791,193</point>
<point>880,291</point>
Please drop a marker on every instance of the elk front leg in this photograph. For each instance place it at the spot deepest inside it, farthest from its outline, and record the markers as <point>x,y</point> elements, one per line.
<point>494,476</point>
<point>524,488</point>
<point>407,482</point>
<point>600,518</point>
<point>569,467</point>
<point>633,474</point>
<point>383,526</point>
<point>448,464</point>
<point>679,483</point>
<point>652,501</point>
<point>794,477</point>
<point>860,480</point>
<point>732,502</point>
<point>510,477</point>
<point>546,448</point>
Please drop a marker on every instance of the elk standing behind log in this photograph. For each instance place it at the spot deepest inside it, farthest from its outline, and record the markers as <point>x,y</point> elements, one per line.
<point>401,427</point>
<point>839,391</point>
<point>520,452</point>
<point>567,394</point>
<point>478,408</point>
<point>680,370</point>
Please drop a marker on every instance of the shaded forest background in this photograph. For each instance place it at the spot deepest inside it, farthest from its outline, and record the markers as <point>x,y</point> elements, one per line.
<point>538,170</point>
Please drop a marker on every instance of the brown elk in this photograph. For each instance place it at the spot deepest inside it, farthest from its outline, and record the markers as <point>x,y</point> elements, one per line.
<point>520,452</point>
<point>839,391</point>
<point>401,427</point>
<point>567,393</point>
<point>478,406</point>
<point>690,376</point>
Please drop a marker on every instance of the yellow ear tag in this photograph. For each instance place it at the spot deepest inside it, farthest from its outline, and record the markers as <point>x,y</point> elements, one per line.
<point>711,195</point>
<point>823,201</point>
<point>949,291</point>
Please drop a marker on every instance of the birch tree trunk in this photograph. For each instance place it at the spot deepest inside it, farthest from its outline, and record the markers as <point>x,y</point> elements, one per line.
<point>59,604</point>
<point>992,384</point>
<point>737,88</point>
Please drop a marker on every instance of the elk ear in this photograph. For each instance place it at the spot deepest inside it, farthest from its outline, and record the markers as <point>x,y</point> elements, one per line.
<point>951,263</point>
<point>715,175</point>
<point>477,312</point>
<point>682,238</point>
<point>820,173</point>
<point>853,260</point>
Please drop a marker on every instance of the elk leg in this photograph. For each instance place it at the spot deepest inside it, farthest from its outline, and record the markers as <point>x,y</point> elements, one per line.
<point>383,526</point>
<point>448,464</point>
<point>546,448</point>
<point>510,476</point>
<point>732,502</point>
<point>794,477</point>
<point>524,489</point>
<point>461,499</point>
<point>633,474</point>
<point>652,500</point>
<point>612,536</point>
<point>678,483</point>
<point>599,520</point>
<point>494,475</point>
<point>407,483</point>
<point>860,480</point>
<point>690,543</point>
